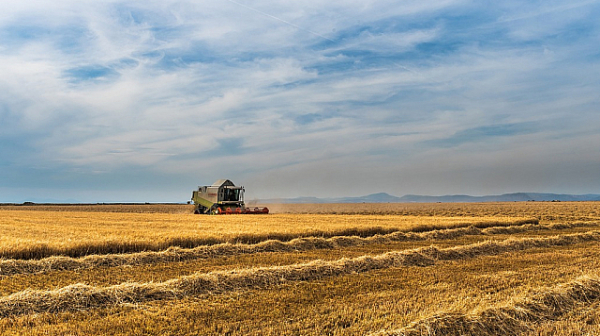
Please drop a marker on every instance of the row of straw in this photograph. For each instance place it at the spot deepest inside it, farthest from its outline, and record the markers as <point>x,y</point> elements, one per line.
<point>511,319</point>
<point>125,245</point>
<point>174,254</point>
<point>81,296</point>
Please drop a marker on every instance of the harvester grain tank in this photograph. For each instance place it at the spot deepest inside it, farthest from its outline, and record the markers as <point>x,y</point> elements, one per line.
<point>222,197</point>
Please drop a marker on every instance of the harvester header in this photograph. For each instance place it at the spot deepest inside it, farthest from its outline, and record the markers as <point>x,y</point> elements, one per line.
<point>222,197</point>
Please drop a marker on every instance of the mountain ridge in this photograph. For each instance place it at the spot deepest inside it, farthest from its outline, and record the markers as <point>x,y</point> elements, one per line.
<point>383,197</point>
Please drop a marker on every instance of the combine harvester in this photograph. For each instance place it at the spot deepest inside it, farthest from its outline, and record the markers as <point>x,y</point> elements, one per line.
<point>223,197</point>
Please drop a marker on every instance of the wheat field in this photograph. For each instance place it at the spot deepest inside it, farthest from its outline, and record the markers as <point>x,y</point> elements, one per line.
<point>528,268</point>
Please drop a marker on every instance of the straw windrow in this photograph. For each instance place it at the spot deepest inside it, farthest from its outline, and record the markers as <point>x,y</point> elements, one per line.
<point>81,296</point>
<point>174,254</point>
<point>509,319</point>
<point>36,251</point>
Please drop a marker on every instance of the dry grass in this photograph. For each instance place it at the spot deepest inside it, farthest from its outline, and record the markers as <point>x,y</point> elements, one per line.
<point>81,296</point>
<point>40,234</point>
<point>509,319</point>
<point>177,254</point>
<point>352,304</point>
<point>116,208</point>
<point>326,282</point>
<point>582,320</point>
<point>545,211</point>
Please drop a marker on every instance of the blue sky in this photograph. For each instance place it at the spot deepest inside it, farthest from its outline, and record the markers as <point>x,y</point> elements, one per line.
<point>111,101</point>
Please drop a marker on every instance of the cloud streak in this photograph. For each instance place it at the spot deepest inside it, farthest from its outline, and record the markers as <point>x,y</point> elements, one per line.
<point>297,99</point>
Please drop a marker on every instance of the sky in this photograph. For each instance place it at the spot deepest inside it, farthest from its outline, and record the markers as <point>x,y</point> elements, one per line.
<point>142,101</point>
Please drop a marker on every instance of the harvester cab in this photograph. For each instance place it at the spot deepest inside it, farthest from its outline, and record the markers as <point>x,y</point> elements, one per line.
<point>222,197</point>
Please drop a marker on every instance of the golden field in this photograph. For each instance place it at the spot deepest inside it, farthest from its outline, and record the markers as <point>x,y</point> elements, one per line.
<point>43,233</point>
<point>528,268</point>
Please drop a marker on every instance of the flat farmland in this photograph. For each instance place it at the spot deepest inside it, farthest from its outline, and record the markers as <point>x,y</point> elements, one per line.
<point>527,268</point>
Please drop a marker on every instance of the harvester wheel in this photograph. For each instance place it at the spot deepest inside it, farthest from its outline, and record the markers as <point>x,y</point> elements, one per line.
<point>238,210</point>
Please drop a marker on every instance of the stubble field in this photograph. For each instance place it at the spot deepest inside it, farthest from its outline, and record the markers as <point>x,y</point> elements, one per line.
<point>526,268</point>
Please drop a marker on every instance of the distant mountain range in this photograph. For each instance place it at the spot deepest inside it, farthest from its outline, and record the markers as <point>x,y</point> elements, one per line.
<point>387,198</point>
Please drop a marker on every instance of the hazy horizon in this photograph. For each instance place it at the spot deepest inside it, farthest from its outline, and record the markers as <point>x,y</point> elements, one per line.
<point>381,197</point>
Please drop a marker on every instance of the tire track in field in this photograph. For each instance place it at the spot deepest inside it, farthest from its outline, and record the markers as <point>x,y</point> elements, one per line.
<point>81,296</point>
<point>513,319</point>
<point>175,254</point>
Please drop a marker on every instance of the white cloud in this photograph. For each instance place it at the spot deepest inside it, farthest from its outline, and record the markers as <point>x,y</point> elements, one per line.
<point>295,89</point>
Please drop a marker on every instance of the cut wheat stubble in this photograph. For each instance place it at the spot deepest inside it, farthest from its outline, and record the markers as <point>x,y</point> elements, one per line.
<point>10,267</point>
<point>81,296</point>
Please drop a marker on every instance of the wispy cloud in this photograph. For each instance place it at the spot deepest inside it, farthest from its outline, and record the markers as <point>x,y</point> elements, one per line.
<point>293,99</point>
<point>484,133</point>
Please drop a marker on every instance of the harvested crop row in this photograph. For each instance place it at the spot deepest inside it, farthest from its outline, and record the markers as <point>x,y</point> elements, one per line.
<point>125,243</point>
<point>81,296</point>
<point>509,319</point>
<point>174,254</point>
